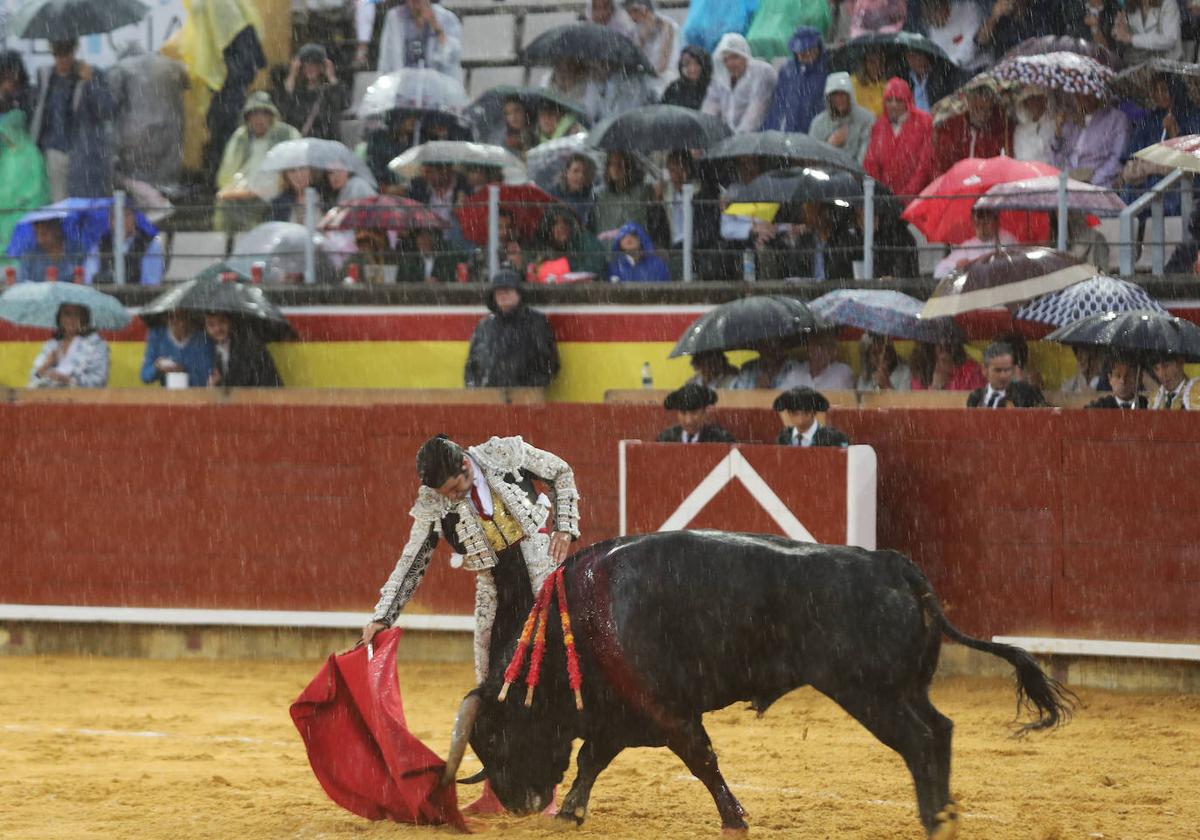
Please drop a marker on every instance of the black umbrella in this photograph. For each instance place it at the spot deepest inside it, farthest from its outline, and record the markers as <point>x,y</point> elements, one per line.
<point>653,128</point>
<point>1141,331</point>
<point>893,45</point>
<point>791,189</point>
<point>1135,82</point>
<point>487,112</point>
<point>782,148</point>
<point>589,43</point>
<point>1043,44</point>
<point>248,304</point>
<point>743,324</point>
<point>63,20</point>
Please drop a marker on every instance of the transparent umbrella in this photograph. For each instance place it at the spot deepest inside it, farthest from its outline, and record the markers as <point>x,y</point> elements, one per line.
<point>280,247</point>
<point>414,89</point>
<point>460,153</point>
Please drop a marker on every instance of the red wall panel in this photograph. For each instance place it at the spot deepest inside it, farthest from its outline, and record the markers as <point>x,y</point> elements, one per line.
<point>1037,521</point>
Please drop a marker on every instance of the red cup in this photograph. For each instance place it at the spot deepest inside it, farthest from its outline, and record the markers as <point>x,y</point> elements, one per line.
<point>460,272</point>
<point>10,276</point>
<point>51,273</point>
<point>77,274</point>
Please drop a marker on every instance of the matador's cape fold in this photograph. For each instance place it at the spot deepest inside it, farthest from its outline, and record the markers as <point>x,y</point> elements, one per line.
<point>352,721</point>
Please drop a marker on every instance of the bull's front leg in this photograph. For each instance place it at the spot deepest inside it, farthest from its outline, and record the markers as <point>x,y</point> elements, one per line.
<point>691,743</point>
<point>594,756</point>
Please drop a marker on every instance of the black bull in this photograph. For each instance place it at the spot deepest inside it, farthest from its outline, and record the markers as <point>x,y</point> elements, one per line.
<point>669,626</point>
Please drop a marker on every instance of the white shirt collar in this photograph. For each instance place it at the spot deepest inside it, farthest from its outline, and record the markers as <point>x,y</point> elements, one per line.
<point>482,489</point>
<point>991,392</point>
<point>806,438</point>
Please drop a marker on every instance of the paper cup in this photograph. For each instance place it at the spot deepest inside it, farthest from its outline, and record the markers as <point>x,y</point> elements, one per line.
<point>177,380</point>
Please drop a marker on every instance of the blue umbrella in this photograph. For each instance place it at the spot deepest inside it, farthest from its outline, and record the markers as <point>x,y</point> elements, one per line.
<point>1096,296</point>
<point>883,312</point>
<point>36,305</point>
<point>84,222</point>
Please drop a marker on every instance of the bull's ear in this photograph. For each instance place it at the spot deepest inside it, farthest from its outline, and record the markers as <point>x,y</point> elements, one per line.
<point>474,780</point>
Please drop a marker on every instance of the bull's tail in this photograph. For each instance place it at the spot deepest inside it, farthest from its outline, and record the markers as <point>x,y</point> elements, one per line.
<point>1037,693</point>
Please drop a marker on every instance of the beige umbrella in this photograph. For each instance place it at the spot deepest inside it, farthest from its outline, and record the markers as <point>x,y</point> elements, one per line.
<point>1006,275</point>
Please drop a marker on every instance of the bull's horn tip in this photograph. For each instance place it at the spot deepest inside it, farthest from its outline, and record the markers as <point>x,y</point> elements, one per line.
<point>529,697</point>
<point>503,692</point>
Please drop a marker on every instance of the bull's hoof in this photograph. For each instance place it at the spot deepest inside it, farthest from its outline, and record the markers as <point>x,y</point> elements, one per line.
<point>570,817</point>
<point>946,823</point>
<point>742,830</point>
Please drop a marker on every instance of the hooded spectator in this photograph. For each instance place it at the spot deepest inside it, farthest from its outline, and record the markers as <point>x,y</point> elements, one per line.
<point>983,131</point>
<point>554,122</point>
<point>610,91</point>
<point>878,16</point>
<point>311,98</point>
<point>658,36</point>
<point>513,347</point>
<point>742,86</point>
<point>1091,149</point>
<point>709,21</point>
<point>776,22</point>
<point>419,33</point>
<point>564,247</point>
<point>843,123</point>
<point>800,88</point>
<point>690,404</point>
<point>15,91</point>
<point>952,24</point>
<point>900,154</point>
<point>695,73</point>
<point>239,208</point>
<point>634,259</point>
<point>1035,126</point>
<point>147,90</point>
<point>70,125</point>
<point>1148,29</point>
<point>23,182</point>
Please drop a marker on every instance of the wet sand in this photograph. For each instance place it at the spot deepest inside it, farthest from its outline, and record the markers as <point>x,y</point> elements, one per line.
<point>102,748</point>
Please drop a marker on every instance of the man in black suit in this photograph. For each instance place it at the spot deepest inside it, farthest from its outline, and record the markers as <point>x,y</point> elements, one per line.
<point>1002,391</point>
<point>690,404</point>
<point>240,360</point>
<point>798,409</point>
<point>1123,378</point>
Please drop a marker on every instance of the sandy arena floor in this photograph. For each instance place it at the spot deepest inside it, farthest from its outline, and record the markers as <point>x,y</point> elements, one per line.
<point>95,748</point>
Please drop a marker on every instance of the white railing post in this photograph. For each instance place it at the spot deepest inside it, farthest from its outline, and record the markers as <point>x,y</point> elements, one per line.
<point>1063,244</point>
<point>310,233</point>
<point>868,229</point>
<point>493,260</point>
<point>689,226</point>
<point>118,237</point>
<point>1158,230</point>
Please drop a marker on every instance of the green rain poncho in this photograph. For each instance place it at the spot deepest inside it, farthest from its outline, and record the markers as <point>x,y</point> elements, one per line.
<point>23,183</point>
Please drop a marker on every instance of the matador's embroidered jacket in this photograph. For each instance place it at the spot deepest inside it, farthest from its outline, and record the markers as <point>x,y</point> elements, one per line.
<point>506,463</point>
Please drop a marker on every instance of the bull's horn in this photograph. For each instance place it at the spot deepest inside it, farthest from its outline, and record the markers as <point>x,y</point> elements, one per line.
<point>475,779</point>
<point>463,724</point>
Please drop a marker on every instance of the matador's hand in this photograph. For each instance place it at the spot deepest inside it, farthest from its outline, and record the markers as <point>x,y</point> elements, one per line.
<point>560,544</point>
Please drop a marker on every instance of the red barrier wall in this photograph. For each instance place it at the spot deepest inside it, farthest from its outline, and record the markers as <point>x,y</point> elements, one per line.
<point>1027,522</point>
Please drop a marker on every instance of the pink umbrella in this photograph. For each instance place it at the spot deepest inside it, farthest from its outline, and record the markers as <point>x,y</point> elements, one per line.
<point>1041,194</point>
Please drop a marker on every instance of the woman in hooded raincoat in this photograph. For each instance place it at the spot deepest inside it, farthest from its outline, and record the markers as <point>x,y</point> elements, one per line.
<point>742,85</point>
<point>900,154</point>
<point>638,264</point>
<point>844,123</point>
<point>695,74</point>
<point>23,182</point>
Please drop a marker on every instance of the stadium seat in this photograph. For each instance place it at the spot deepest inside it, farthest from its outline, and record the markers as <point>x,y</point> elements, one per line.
<point>489,39</point>
<point>539,22</point>
<point>485,78</point>
<point>194,251</point>
<point>362,81</point>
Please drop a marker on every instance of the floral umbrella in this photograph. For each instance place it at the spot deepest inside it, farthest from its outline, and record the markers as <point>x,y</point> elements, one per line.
<point>1067,72</point>
<point>1043,44</point>
<point>955,104</point>
<point>942,212</point>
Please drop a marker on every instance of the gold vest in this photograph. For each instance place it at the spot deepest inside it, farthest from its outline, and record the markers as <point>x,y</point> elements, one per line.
<point>501,531</point>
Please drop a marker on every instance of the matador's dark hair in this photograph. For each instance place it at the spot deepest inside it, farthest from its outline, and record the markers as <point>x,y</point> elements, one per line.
<point>438,460</point>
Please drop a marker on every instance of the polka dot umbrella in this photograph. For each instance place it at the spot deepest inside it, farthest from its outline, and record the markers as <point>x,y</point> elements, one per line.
<point>1095,296</point>
<point>1066,72</point>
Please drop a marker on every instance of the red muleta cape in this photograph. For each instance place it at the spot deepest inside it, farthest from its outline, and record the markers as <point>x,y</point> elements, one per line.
<point>352,721</point>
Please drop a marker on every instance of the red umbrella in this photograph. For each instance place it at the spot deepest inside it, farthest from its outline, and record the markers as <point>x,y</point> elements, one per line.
<point>352,721</point>
<point>942,212</point>
<point>527,203</point>
<point>382,212</point>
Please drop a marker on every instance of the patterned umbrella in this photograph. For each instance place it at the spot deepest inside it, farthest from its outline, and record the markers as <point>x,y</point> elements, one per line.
<point>1067,72</point>
<point>955,104</point>
<point>1091,297</point>
<point>1135,82</point>
<point>883,312</point>
<point>382,212</point>
<point>36,305</point>
<point>1139,331</point>
<point>1178,153</point>
<point>1043,44</point>
<point>1006,275</point>
<point>942,212</point>
<point>1041,194</point>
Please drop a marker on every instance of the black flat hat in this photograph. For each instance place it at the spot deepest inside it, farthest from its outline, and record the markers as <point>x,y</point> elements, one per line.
<point>801,399</point>
<point>691,397</point>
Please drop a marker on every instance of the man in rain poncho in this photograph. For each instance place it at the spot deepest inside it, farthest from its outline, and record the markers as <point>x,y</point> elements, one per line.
<point>148,127</point>
<point>514,346</point>
<point>844,123</point>
<point>900,154</point>
<point>238,175</point>
<point>742,85</point>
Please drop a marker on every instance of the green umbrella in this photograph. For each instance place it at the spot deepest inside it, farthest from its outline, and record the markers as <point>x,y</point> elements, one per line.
<point>62,20</point>
<point>36,305</point>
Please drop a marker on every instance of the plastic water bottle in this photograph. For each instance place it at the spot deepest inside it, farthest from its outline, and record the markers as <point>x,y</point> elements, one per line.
<point>748,268</point>
<point>647,376</point>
